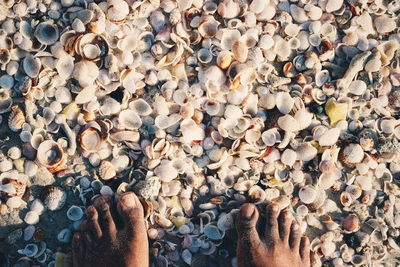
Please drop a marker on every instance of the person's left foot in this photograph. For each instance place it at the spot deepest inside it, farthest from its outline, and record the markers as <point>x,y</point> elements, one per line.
<point>101,244</point>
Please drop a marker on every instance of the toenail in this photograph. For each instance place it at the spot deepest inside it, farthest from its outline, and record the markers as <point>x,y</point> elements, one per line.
<point>295,227</point>
<point>247,212</point>
<point>274,207</point>
<point>128,200</point>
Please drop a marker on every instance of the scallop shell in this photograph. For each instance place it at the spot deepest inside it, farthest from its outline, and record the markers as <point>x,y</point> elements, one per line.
<point>351,154</point>
<point>16,119</point>
<point>74,213</point>
<point>53,197</point>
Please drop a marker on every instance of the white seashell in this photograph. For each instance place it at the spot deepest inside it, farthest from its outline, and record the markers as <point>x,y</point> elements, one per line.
<point>266,42</point>
<point>384,24</point>
<point>64,236</point>
<point>129,119</point>
<point>357,87</point>
<point>120,163</point>
<point>298,13</point>
<point>31,218</point>
<point>322,77</point>
<point>65,66</point>
<point>307,194</point>
<point>110,106</point>
<point>74,213</point>
<point>14,202</point>
<point>284,102</point>
<point>288,123</point>
<point>333,5</point>
<point>37,206</point>
<point>141,107</point>
<point>53,197</point>
<point>31,66</point>
<point>6,165</point>
<point>166,172</point>
<point>329,137</point>
<point>85,72</point>
<point>288,157</point>
<point>14,152</point>
<point>271,136</point>
<point>63,95</point>
<point>228,38</point>
<point>304,118</point>
<point>191,131</point>
<point>257,194</point>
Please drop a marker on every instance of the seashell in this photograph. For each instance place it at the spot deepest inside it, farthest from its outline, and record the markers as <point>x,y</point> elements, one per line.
<point>16,119</point>
<point>213,232</point>
<point>240,51</point>
<point>53,197</point>
<point>37,206</point>
<point>129,120</point>
<point>64,236</point>
<point>351,223</point>
<point>304,118</point>
<point>14,152</point>
<point>31,218</point>
<point>208,28</point>
<point>74,213</point>
<point>384,24</point>
<point>257,194</point>
<point>51,155</point>
<point>204,56</point>
<point>271,136</point>
<point>288,157</point>
<point>307,194</point>
<point>191,131</point>
<point>46,33</point>
<point>306,152</point>
<point>322,77</point>
<point>30,250</point>
<point>351,154</point>
<point>107,170</point>
<point>288,123</point>
<point>29,231</point>
<point>284,102</point>
<point>329,137</point>
<point>224,59</point>
<point>85,72</point>
<point>336,111</point>
<point>229,9</point>
<point>14,202</point>
<point>5,101</point>
<point>333,5</point>
<point>141,107</point>
<point>357,87</point>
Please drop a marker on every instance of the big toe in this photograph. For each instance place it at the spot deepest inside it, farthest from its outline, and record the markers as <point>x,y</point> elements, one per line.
<point>246,224</point>
<point>131,211</point>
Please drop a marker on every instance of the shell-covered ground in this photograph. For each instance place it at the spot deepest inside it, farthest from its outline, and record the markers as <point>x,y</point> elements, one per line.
<point>198,107</point>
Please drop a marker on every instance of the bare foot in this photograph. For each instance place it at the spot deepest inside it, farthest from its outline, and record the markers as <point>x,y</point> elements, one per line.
<point>100,243</point>
<point>280,246</point>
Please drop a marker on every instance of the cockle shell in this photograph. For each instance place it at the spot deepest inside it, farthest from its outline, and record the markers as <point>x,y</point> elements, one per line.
<point>307,194</point>
<point>53,197</point>
<point>351,223</point>
<point>284,102</point>
<point>107,170</point>
<point>31,218</point>
<point>31,66</point>
<point>93,136</point>
<point>16,119</point>
<point>351,154</point>
<point>46,33</point>
<point>51,155</point>
<point>14,152</point>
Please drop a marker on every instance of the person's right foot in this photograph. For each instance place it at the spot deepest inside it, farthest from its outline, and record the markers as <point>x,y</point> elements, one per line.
<point>280,246</point>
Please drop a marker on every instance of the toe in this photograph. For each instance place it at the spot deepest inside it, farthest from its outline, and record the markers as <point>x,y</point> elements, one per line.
<point>77,250</point>
<point>246,224</point>
<point>86,235</point>
<point>131,211</point>
<point>285,221</point>
<point>271,229</point>
<point>108,227</point>
<point>93,222</point>
<point>305,250</point>
<point>295,237</point>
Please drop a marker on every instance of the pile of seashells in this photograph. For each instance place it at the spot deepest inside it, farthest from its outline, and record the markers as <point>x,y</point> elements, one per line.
<point>200,106</point>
